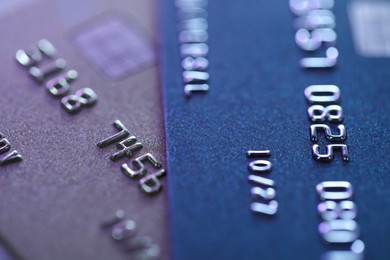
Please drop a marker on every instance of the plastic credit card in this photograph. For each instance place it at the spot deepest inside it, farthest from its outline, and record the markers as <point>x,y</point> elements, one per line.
<point>73,177</point>
<point>277,128</point>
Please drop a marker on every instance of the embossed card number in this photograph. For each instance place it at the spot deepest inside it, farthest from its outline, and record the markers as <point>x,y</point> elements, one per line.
<point>193,36</point>
<point>123,232</point>
<point>320,95</point>
<point>263,192</point>
<point>57,86</point>
<point>315,24</point>
<point>127,147</point>
<point>338,227</point>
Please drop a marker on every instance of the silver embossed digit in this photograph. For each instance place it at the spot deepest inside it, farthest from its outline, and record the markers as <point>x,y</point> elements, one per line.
<point>328,133</point>
<point>83,97</point>
<point>329,61</point>
<point>334,190</point>
<point>322,93</point>
<point>339,231</point>
<point>331,113</point>
<point>151,184</point>
<point>329,155</point>
<point>35,55</point>
<point>138,163</point>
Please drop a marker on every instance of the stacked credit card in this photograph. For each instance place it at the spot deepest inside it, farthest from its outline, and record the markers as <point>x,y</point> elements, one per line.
<point>195,129</point>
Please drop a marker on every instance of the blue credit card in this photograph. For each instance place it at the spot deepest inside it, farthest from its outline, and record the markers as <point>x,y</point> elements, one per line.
<point>277,123</point>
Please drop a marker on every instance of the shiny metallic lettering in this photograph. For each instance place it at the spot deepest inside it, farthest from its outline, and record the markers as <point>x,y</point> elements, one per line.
<point>319,62</point>
<point>269,209</point>
<point>332,113</point>
<point>9,157</point>
<point>33,57</point>
<point>112,220</point>
<point>260,166</point>
<point>301,7</point>
<point>194,49</point>
<point>330,210</point>
<point>197,63</point>
<point>334,190</point>
<point>41,74</point>
<point>326,94</point>
<point>192,88</point>
<point>267,193</point>
<point>263,153</point>
<point>151,184</point>
<point>123,232</point>
<point>5,146</point>
<point>127,148</point>
<point>263,193</point>
<point>328,133</point>
<point>126,169</point>
<point>261,180</point>
<point>195,76</point>
<point>315,25</point>
<point>123,133</point>
<point>311,41</point>
<point>339,231</point>
<point>319,18</point>
<point>193,36</point>
<point>329,155</point>
<point>85,97</point>
<point>322,93</point>
<point>60,86</point>
<point>338,227</point>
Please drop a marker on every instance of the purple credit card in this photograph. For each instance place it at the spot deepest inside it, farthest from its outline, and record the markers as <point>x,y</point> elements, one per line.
<point>82,145</point>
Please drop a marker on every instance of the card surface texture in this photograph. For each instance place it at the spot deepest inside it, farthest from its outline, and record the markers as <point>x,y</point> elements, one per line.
<point>69,81</point>
<point>284,155</point>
